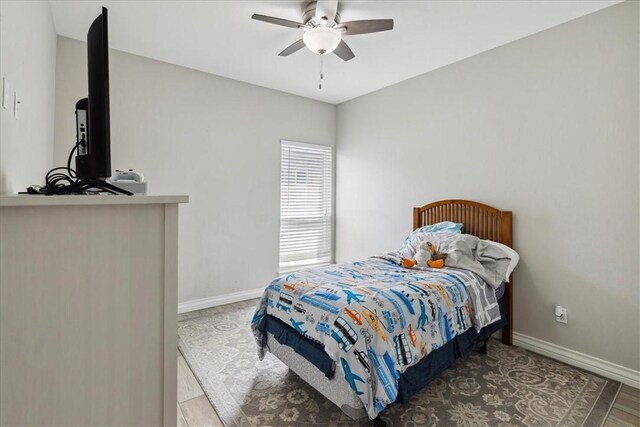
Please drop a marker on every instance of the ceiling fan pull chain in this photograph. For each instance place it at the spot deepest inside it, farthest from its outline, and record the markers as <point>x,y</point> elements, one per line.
<point>321,74</point>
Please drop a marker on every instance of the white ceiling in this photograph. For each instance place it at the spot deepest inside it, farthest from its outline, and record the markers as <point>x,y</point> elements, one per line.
<point>220,37</point>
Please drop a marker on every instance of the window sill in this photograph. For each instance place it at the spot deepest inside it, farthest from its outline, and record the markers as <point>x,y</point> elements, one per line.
<point>301,267</point>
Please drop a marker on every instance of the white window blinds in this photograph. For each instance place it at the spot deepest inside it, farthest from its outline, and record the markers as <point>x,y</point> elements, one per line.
<point>305,205</point>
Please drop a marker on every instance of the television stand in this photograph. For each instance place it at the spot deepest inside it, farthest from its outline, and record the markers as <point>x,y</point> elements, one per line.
<point>84,184</point>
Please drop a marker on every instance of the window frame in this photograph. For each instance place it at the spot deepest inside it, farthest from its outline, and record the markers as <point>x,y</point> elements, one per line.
<point>332,176</point>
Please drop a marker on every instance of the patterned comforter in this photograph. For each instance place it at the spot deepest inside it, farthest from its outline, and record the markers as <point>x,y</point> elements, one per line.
<point>375,318</point>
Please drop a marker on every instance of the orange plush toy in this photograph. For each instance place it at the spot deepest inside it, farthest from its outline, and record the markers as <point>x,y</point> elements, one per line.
<point>408,263</point>
<point>438,263</point>
<point>426,256</point>
<point>437,259</point>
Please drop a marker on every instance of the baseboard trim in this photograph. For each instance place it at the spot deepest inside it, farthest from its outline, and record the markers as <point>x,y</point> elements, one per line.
<point>202,303</point>
<point>580,360</point>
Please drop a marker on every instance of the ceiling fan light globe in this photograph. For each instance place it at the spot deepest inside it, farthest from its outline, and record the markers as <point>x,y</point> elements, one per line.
<point>322,40</point>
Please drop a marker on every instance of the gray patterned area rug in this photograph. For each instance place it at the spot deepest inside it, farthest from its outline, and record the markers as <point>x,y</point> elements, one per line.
<point>508,386</point>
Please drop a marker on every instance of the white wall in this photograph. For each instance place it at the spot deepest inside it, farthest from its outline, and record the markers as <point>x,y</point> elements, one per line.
<point>28,62</point>
<point>547,127</point>
<point>215,139</point>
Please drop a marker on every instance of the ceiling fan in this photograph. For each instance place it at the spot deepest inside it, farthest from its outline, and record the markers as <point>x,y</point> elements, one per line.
<point>323,30</point>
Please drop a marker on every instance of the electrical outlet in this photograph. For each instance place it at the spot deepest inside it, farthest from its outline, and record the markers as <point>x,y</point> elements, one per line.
<point>561,314</point>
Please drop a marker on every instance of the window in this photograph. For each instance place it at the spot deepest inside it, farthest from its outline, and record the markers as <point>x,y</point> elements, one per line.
<point>306,216</point>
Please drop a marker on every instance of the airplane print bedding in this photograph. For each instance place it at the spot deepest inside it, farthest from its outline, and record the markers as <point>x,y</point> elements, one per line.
<point>375,318</point>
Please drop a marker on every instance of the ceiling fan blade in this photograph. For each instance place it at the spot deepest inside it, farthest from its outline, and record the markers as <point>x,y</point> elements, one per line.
<point>366,26</point>
<point>326,9</point>
<point>296,46</point>
<point>277,21</point>
<point>344,52</point>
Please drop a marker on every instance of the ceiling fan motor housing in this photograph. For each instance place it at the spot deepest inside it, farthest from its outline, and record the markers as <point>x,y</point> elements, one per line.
<point>309,13</point>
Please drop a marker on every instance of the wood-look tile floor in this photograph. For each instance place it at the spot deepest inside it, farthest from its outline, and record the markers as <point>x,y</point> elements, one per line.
<point>626,408</point>
<point>195,410</point>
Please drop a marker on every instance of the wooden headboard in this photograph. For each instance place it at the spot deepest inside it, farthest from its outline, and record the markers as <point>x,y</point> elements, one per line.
<point>479,220</point>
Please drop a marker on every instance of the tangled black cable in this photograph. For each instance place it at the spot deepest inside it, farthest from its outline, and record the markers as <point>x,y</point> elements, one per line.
<point>58,179</point>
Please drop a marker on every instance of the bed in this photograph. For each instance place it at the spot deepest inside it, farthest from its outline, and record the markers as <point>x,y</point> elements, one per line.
<point>382,332</point>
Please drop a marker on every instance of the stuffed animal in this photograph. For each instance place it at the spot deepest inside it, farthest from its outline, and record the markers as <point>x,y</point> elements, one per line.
<point>422,254</point>
<point>427,255</point>
<point>436,259</point>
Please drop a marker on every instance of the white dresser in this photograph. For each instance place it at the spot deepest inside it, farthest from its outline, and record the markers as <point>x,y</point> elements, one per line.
<point>88,310</point>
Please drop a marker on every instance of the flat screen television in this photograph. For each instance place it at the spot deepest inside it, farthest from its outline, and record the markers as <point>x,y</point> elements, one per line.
<point>94,158</point>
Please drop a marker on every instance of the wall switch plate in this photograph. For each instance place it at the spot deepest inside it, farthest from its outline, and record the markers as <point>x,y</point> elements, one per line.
<point>561,314</point>
<point>16,104</point>
<point>5,93</point>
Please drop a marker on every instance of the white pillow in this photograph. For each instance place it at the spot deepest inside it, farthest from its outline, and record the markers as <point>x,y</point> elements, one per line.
<point>513,257</point>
